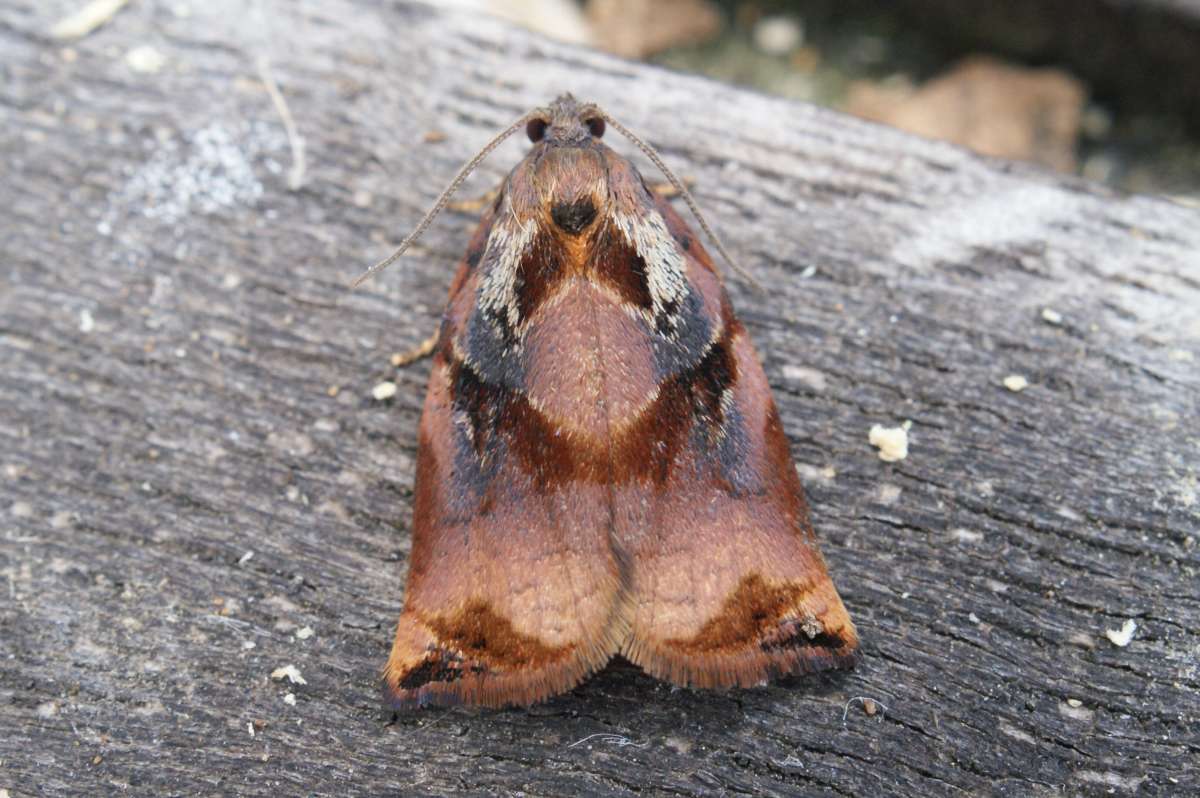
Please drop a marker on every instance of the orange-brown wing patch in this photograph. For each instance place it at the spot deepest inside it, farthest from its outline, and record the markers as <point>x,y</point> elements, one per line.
<point>513,589</point>
<point>727,585</point>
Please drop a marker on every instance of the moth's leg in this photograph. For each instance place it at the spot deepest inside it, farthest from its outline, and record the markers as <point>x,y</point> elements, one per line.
<point>418,352</point>
<point>478,204</point>
<point>664,189</point>
<point>426,347</point>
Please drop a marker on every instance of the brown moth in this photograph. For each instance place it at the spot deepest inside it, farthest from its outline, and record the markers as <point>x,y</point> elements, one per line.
<point>601,468</point>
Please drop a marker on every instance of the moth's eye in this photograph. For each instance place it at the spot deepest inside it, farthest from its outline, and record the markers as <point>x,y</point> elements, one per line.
<point>536,129</point>
<point>595,126</point>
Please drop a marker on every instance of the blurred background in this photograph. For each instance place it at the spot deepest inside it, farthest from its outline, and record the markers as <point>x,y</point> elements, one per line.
<point>1106,89</point>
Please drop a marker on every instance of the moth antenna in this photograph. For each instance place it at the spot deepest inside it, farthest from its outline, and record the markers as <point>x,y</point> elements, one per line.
<point>442,200</point>
<point>687,196</point>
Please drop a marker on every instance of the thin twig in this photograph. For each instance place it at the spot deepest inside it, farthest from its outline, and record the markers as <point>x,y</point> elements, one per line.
<point>616,739</point>
<point>86,19</point>
<point>418,352</point>
<point>295,140</point>
<point>475,204</point>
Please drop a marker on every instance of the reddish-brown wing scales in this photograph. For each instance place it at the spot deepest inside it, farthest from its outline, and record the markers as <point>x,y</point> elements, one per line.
<point>601,466</point>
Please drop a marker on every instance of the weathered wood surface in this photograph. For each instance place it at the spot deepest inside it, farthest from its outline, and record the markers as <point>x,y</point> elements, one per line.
<point>173,318</point>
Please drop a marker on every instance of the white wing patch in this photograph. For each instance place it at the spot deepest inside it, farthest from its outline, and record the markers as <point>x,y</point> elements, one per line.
<point>648,235</point>
<point>506,246</point>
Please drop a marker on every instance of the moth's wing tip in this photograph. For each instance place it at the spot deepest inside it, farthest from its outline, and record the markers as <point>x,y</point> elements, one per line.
<point>399,699</point>
<point>514,690</point>
<point>753,663</point>
<point>846,658</point>
<point>410,683</point>
<point>829,651</point>
<point>749,669</point>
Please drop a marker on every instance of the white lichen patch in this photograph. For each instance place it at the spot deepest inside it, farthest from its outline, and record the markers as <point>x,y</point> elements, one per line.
<point>888,494</point>
<point>1082,640</point>
<point>204,172</point>
<point>1016,212</point>
<point>892,442</point>
<point>963,535</point>
<point>811,377</point>
<point>1017,734</point>
<point>1113,781</point>
<point>1186,491</point>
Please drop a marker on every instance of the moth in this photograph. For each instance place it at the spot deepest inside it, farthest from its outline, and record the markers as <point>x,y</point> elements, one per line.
<point>601,468</point>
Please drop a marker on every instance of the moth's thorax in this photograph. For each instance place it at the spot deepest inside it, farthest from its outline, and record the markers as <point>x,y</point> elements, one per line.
<point>576,210</point>
<point>571,186</point>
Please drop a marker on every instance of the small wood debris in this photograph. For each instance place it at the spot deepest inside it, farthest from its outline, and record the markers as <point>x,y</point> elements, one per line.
<point>289,672</point>
<point>145,59</point>
<point>384,391</point>
<point>418,352</point>
<point>1121,637</point>
<point>870,706</point>
<point>1016,383</point>
<point>892,442</point>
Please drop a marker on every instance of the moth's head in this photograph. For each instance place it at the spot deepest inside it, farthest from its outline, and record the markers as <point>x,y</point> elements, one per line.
<point>569,171</point>
<point>565,122</point>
